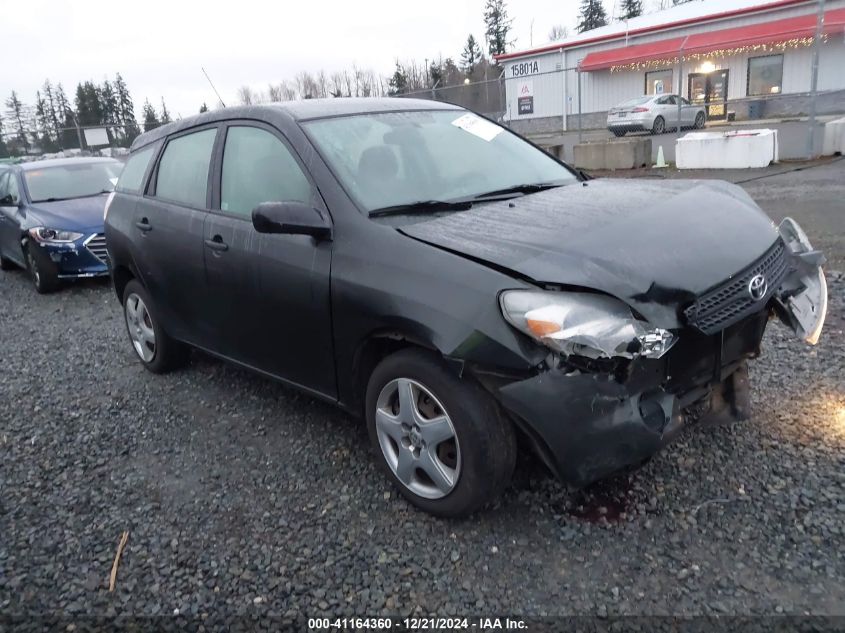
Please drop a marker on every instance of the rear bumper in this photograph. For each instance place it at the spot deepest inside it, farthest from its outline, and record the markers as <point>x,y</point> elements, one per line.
<point>630,126</point>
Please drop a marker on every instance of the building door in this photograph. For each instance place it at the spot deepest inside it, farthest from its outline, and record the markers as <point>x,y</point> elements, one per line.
<point>711,90</point>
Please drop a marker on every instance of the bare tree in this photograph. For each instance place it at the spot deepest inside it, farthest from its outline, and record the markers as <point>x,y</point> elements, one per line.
<point>246,96</point>
<point>274,92</point>
<point>322,84</point>
<point>558,32</point>
<point>306,85</point>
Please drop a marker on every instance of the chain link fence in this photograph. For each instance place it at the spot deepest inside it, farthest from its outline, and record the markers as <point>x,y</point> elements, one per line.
<point>84,140</point>
<point>486,96</point>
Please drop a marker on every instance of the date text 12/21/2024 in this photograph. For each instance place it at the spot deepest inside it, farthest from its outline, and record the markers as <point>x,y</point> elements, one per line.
<point>418,624</point>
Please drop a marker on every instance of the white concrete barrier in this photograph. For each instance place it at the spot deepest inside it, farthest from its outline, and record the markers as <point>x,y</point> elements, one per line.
<point>737,149</point>
<point>834,137</point>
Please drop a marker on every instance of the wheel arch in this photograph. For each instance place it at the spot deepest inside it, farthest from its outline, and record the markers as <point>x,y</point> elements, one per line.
<point>371,351</point>
<point>121,276</point>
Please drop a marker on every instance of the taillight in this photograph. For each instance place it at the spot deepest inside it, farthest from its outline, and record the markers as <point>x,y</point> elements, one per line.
<point>108,204</point>
<point>640,110</point>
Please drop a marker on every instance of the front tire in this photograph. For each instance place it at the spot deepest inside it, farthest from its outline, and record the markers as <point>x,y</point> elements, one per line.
<point>155,349</point>
<point>699,120</point>
<point>41,270</point>
<point>442,440</point>
<point>659,125</point>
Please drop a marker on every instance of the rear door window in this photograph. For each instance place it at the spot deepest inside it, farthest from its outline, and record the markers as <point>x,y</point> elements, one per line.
<point>132,177</point>
<point>258,167</point>
<point>183,169</point>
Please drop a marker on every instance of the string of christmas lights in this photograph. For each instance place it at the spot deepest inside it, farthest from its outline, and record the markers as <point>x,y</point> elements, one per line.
<point>778,47</point>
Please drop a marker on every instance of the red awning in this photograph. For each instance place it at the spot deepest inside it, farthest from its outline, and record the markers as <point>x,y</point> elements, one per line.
<point>749,35</point>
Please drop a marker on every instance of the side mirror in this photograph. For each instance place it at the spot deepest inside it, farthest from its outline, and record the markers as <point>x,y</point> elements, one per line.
<point>291,218</point>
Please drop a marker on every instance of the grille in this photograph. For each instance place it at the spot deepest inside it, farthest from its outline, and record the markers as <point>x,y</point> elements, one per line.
<point>97,247</point>
<point>730,302</point>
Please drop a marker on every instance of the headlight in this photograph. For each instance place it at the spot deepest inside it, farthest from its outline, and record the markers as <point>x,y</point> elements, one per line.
<point>53,236</point>
<point>584,324</point>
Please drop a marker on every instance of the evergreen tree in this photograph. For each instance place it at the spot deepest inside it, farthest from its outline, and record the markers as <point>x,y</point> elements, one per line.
<point>203,108</point>
<point>435,73</point>
<point>150,118</point>
<point>89,108</point>
<point>16,114</point>
<point>471,55</point>
<point>125,110</point>
<point>52,110</point>
<point>631,9</point>
<point>44,129</point>
<point>592,15</point>
<point>69,136</point>
<point>4,151</point>
<point>399,81</point>
<point>498,26</point>
<point>165,115</point>
<point>109,104</point>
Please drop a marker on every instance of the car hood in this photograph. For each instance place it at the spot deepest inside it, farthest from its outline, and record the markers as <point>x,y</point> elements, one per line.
<point>655,244</point>
<point>78,214</point>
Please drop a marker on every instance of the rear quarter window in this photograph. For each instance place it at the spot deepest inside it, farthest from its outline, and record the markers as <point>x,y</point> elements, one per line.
<point>132,178</point>
<point>183,168</point>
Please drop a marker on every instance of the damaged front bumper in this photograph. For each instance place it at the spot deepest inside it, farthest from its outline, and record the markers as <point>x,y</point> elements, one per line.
<point>589,421</point>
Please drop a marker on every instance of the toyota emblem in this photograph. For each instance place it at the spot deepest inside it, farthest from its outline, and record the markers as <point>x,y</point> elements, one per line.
<point>757,287</point>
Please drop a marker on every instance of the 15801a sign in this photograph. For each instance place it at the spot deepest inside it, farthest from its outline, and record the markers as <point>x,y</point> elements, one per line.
<point>525,68</point>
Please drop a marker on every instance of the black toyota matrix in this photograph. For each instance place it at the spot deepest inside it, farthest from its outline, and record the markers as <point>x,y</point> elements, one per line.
<point>452,284</point>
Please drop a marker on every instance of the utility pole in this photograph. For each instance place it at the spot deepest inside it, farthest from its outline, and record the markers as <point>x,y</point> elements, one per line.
<point>78,129</point>
<point>681,82</point>
<point>814,83</point>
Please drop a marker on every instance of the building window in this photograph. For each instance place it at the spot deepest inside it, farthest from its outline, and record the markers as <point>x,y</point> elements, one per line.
<point>658,82</point>
<point>765,75</point>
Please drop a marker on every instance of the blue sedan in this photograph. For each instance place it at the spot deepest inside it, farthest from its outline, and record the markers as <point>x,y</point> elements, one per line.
<point>51,218</point>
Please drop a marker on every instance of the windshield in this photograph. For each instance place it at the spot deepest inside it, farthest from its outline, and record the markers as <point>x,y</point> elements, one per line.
<point>71,180</point>
<point>396,158</point>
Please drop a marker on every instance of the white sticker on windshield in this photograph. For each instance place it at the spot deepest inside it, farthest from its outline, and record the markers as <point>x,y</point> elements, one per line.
<point>482,128</point>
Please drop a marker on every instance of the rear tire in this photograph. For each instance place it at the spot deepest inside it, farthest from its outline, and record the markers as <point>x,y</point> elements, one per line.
<point>6,264</point>
<point>473,455</point>
<point>619,132</point>
<point>659,126</point>
<point>154,348</point>
<point>42,271</point>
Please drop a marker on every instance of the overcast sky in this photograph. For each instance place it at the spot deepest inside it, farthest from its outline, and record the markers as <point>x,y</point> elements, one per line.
<point>159,46</point>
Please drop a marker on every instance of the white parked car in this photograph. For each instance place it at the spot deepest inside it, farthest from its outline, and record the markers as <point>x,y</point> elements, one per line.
<point>654,113</point>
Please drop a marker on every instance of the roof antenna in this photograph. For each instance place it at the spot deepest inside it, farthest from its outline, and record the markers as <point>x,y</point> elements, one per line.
<point>219,98</point>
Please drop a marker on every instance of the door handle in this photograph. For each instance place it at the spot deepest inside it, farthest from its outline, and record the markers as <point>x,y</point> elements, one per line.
<point>217,244</point>
<point>144,225</point>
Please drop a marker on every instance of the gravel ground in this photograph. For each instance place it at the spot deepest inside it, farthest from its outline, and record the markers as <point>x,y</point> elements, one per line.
<point>243,497</point>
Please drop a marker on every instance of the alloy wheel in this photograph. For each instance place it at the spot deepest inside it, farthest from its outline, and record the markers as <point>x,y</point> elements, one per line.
<point>140,326</point>
<point>699,120</point>
<point>659,125</point>
<point>417,438</point>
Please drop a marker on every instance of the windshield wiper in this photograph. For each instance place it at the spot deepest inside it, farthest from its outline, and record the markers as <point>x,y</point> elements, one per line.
<point>421,206</point>
<point>51,199</point>
<point>85,195</point>
<point>524,189</point>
